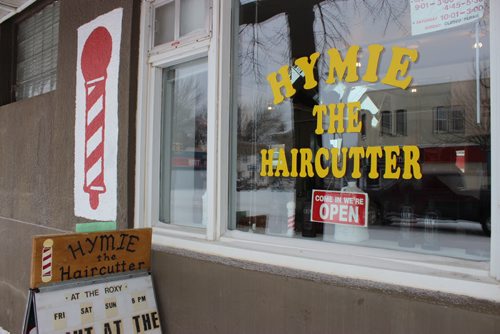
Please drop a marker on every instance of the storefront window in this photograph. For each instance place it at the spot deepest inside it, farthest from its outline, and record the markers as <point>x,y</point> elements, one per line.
<point>183,157</point>
<point>364,122</point>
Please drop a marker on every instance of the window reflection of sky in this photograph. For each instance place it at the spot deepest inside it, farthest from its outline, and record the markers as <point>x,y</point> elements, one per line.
<point>444,56</point>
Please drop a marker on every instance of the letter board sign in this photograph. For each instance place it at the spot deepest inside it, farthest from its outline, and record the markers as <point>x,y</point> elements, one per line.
<point>107,306</point>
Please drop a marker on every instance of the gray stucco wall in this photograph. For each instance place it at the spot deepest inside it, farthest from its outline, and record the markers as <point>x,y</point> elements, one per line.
<point>203,295</point>
<point>37,154</point>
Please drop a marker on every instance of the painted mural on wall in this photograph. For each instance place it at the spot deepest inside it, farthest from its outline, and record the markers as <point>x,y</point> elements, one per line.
<point>96,120</point>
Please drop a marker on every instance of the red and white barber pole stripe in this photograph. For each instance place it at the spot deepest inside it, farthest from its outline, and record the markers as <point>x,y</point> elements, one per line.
<point>47,260</point>
<point>290,206</point>
<point>95,59</point>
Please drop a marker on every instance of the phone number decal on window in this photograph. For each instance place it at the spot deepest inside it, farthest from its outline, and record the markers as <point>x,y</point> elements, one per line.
<point>435,15</point>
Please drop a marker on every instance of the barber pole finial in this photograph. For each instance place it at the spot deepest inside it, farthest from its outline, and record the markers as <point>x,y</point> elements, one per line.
<point>96,56</point>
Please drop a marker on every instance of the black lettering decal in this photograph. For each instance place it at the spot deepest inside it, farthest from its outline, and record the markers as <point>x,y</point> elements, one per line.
<point>108,329</point>
<point>117,326</point>
<point>146,321</point>
<point>137,325</point>
<point>108,238</point>
<point>156,320</point>
<point>123,237</point>
<point>65,275</point>
<point>131,243</point>
<point>73,251</point>
<point>102,270</point>
<point>77,274</point>
<point>91,244</point>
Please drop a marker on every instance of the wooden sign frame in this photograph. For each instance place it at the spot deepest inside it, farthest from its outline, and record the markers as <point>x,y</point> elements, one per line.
<point>60,258</point>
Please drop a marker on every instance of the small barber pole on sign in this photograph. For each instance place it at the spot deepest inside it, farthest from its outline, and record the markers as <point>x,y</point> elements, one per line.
<point>47,260</point>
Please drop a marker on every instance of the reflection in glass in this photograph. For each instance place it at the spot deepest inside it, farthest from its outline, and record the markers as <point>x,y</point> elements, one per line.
<point>193,13</point>
<point>446,212</point>
<point>184,138</point>
<point>164,23</point>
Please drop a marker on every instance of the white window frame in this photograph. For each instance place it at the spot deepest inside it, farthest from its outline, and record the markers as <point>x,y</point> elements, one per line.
<point>411,270</point>
<point>178,42</point>
<point>153,60</point>
<point>449,119</point>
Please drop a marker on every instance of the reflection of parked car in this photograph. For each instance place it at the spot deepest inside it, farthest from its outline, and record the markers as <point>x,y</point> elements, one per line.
<point>444,190</point>
<point>189,160</point>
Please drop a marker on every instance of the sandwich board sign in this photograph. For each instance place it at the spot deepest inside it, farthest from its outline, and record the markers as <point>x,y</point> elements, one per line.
<point>92,283</point>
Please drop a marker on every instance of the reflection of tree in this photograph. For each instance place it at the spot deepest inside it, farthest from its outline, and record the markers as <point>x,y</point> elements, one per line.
<point>190,111</point>
<point>331,30</point>
<point>476,133</point>
<point>259,126</point>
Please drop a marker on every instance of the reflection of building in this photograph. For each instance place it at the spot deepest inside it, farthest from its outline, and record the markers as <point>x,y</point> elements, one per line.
<point>248,168</point>
<point>431,116</point>
<point>189,159</point>
<point>441,120</point>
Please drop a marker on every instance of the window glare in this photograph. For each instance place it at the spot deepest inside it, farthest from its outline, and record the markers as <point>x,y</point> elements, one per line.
<point>164,23</point>
<point>184,139</point>
<point>193,13</point>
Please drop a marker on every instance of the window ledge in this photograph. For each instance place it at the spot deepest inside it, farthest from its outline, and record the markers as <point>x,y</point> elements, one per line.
<point>430,278</point>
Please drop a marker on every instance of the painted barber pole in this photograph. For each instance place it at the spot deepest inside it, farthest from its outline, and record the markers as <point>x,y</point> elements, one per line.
<point>96,119</point>
<point>95,60</point>
<point>47,260</point>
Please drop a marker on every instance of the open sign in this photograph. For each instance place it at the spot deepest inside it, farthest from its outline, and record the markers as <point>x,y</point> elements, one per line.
<point>336,207</point>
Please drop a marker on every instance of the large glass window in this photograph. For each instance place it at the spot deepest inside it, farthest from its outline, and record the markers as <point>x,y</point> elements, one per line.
<point>415,175</point>
<point>176,39</point>
<point>183,165</point>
